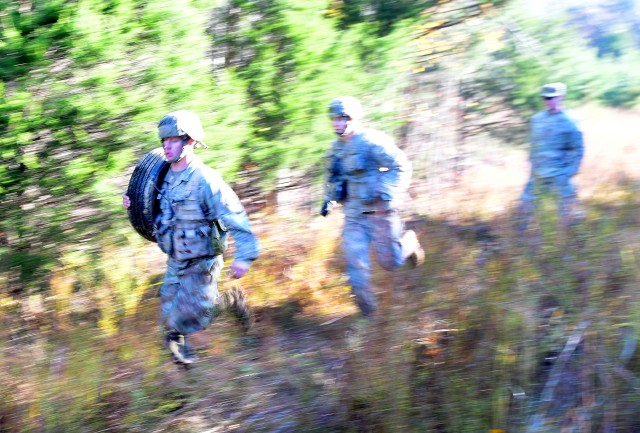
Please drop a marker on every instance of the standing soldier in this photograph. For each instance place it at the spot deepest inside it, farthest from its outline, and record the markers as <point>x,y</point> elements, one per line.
<point>197,208</point>
<point>369,175</point>
<point>555,155</point>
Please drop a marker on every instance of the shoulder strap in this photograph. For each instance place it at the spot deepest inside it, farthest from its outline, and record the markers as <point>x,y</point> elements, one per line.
<point>197,178</point>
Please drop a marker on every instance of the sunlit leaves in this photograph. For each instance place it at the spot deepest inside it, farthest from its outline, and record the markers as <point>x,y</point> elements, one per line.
<point>78,171</point>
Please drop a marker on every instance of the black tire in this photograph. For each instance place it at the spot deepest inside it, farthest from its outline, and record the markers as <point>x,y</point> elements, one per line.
<point>143,190</point>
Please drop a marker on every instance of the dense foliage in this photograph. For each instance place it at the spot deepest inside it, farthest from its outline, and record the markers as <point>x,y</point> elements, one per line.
<point>499,62</point>
<point>83,84</point>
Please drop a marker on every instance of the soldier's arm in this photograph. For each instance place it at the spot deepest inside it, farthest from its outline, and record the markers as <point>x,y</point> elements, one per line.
<point>532,140</point>
<point>395,168</point>
<point>221,202</point>
<point>334,178</point>
<point>575,151</point>
<point>335,186</point>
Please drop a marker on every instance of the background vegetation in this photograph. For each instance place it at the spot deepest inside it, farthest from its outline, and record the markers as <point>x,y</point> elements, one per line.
<point>477,340</point>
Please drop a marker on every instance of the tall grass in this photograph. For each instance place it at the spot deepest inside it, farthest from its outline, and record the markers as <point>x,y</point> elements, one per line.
<point>475,340</point>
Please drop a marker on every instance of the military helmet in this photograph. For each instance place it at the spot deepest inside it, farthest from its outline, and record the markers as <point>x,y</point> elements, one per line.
<point>346,106</point>
<point>551,90</point>
<point>181,123</point>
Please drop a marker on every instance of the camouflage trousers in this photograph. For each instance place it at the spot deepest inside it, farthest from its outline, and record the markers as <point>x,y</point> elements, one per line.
<point>189,295</point>
<point>558,190</point>
<point>385,230</point>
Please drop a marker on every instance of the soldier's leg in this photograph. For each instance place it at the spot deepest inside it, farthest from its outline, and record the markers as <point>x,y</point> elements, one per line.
<point>235,301</point>
<point>356,239</point>
<point>174,341</point>
<point>526,207</point>
<point>394,246</point>
<point>189,304</point>
<point>195,304</point>
<point>567,207</point>
<point>167,294</point>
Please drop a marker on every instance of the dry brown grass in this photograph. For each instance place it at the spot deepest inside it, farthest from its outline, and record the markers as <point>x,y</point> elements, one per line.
<point>458,343</point>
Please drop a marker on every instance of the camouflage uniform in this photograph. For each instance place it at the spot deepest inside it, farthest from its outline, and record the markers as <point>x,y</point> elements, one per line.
<point>369,175</point>
<point>196,209</point>
<point>555,156</point>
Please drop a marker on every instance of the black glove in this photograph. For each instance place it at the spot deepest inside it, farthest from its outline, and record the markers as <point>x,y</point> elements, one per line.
<point>324,210</point>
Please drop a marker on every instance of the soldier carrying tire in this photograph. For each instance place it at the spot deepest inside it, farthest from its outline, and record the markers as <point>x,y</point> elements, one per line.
<point>196,210</point>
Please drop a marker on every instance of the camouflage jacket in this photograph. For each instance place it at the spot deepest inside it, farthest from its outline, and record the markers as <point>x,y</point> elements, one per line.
<point>197,208</point>
<point>556,145</point>
<point>365,170</point>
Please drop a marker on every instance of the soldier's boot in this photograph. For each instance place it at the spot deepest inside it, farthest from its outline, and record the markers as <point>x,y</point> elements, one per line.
<point>234,300</point>
<point>179,348</point>
<point>416,258</point>
<point>367,309</point>
<point>366,301</point>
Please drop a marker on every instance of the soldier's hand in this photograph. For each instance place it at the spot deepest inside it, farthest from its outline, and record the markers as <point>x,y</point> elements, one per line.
<point>324,211</point>
<point>239,268</point>
<point>126,201</point>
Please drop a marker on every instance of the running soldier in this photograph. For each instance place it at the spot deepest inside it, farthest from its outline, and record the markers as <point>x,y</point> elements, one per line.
<point>369,175</point>
<point>197,209</point>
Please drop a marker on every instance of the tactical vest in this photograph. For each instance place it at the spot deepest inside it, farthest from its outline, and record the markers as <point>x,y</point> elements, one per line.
<point>556,145</point>
<point>181,228</point>
<point>358,176</point>
<point>369,183</point>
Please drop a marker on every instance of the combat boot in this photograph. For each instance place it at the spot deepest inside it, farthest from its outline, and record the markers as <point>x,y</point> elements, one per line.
<point>416,258</point>
<point>179,348</point>
<point>234,300</point>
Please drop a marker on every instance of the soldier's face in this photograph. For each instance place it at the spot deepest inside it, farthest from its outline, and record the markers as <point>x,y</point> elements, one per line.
<point>552,103</point>
<point>172,147</point>
<point>341,125</point>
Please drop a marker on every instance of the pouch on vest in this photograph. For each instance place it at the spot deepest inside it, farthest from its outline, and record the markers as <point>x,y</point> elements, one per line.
<point>164,236</point>
<point>219,238</point>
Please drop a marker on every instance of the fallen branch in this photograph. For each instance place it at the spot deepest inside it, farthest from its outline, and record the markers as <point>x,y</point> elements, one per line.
<point>538,420</point>
<point>558,366</point>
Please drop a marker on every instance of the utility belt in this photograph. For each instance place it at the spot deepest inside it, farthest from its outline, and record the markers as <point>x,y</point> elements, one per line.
<point>378,211</point>
<point>187,243</point>
<point>200,265</point>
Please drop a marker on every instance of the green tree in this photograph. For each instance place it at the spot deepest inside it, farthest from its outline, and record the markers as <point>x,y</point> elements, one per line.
<point>84,83</point>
